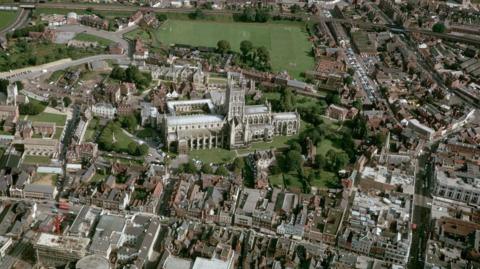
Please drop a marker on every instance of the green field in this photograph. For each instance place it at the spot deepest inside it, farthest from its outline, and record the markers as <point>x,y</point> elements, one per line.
<point>212,155</point>
<point>287,43</point>
<point>30,159</point>
<point>91,38</point>
<point>58,119</point>
<point>7,18</point>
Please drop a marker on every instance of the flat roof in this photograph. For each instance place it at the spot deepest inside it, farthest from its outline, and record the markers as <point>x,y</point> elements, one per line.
<point>66,242</point>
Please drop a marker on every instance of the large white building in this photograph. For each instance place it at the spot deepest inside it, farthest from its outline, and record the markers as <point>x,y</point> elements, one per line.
<point>199,124</point>
<point>104,110</point>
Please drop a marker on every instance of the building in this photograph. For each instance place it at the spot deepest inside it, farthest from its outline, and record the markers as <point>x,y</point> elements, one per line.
<point>104,110</point>
<point>39,146</point>
<point>37,191</point>
<point>421,130</point>
<point>198,124</point>
<point>5,244</point>
<point>55,251</point>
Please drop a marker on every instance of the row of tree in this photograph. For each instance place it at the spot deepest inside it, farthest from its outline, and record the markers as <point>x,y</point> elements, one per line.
<point>250,14</point>
<point>133,75</point>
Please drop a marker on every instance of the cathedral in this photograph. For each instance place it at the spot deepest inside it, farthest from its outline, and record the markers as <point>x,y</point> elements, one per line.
<point>201,124</point>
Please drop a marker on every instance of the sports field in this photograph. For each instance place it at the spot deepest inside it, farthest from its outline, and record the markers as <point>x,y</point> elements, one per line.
<point>7,18</point>
<point>287,42</point>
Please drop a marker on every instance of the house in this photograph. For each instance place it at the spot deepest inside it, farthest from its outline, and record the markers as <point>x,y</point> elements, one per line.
<point>340,113</point>
<point>140,53</point>
<point>78,152</point>
<point>104,110</point>
<point>128,89</point>
<point>95,22</point>
<point>135,18</point>
<point>113,93</point>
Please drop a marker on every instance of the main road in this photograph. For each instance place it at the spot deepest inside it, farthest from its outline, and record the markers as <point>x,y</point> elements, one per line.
<point>35,71</point>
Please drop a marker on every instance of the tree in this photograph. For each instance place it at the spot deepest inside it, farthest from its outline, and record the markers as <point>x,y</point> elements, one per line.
<point>207,169</point>
<point>129,122</point>
<point>332,98</point>
<point>190,167</point>
<point>162,17</point>
<point>358,104</point>
<point>223,46</point>
<point>118,73</point>
<point>262,59</point>
<point>32,108</point>
<point>439,27</point>
<point>142,150</point>
<point>294,161</point>
<point>132,148</point>
<point>53,102</point>
<point>295,8</point>
<point>238,165</point>
<point>320,161</point>
<point>351,71</point>
<point>348,80</point>
<point>67,101</point>
<point>19,85</point>
<point>221,171</point>
<point>4,85</point>
<point>197,14</point>
<point>379,139</point>
<point>246,47</point>
<point>287,100</point>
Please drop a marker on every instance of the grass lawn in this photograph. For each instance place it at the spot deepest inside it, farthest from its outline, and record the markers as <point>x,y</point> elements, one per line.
<point>326,145</point>
<point>7,18</point>
<point>58,132</point>
<point>122,140</point>
<point>293,182</point>
<point>212,155</point>
<point>30,159</point>
<point>92,38</point>
<point>326,179</point>
<point>58,119</point>
<point>287,42</point>
<point>55,76</point>
<point>98,178</point>
<point>91,128</point>
<point>276,180</point>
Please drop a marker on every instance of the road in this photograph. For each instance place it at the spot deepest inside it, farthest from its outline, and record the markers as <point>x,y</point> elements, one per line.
<point>35,71</point>
<point>116,37</point>
<point>19,22</point>
<point>421,212</point>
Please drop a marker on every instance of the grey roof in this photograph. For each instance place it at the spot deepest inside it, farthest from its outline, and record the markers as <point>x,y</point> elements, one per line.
<point>39,188</point>
<point>256,109</point>
<point>194,119</point>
